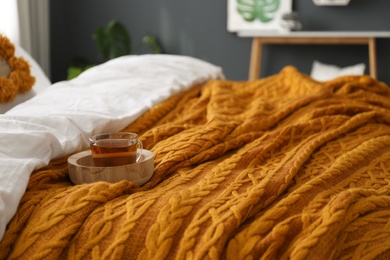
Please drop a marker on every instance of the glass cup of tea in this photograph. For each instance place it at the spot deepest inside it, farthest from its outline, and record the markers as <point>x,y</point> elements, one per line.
<point>115,149</point>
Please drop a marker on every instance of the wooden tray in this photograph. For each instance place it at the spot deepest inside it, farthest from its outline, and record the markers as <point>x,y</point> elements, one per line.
<point>82,170</point>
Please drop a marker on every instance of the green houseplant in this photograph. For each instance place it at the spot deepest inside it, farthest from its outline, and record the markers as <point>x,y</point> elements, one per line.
<point>112,41</point>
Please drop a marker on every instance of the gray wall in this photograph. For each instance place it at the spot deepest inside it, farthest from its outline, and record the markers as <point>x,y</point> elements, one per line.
<point>198,28</point>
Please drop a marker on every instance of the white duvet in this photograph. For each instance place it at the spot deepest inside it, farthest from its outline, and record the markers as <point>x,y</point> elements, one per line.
<point>59,120</point>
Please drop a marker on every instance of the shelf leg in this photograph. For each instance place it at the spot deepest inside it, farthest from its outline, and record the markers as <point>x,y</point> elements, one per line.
<point>372,57</point>
<point>255,60</point>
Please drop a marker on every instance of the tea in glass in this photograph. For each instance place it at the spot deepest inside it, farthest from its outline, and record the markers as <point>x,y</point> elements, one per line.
<point>115,149</point>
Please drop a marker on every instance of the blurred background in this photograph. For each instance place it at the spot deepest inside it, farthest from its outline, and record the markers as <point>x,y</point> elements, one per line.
<point>199,29</point>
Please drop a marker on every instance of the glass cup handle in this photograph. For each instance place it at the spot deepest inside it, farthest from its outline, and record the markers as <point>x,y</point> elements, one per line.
<point>140,147</point>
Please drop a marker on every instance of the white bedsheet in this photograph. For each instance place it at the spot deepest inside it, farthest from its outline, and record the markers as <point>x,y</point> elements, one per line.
<point>59,120</point>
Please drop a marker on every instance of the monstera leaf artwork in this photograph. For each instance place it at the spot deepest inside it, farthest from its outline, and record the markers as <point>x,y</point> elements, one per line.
<point>256,14</point>
<point>263,10</point>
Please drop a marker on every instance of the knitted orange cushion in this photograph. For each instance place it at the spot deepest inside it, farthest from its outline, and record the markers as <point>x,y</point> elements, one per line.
<point>15,74</point>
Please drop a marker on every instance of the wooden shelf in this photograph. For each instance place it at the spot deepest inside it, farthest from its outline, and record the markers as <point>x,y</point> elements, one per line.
<point>305,34</point>
<point>305,37</point>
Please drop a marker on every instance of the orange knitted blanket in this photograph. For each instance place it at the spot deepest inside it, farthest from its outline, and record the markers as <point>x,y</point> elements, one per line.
<point>283,167</point>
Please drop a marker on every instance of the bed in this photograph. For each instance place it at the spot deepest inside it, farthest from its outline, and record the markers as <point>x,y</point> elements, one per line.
<point>284,167</point>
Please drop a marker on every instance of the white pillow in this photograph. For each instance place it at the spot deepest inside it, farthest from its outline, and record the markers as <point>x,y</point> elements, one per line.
<point>41,80</point>
<point>322,72</point>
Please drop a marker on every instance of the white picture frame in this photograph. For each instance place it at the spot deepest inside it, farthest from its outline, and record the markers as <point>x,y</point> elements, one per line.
<point>267,17</point>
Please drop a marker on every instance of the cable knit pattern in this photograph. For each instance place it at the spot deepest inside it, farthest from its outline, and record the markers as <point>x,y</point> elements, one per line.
<point>279,168</point>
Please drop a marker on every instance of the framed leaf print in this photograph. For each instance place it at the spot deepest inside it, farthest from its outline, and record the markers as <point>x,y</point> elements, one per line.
<point>256,14</point>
